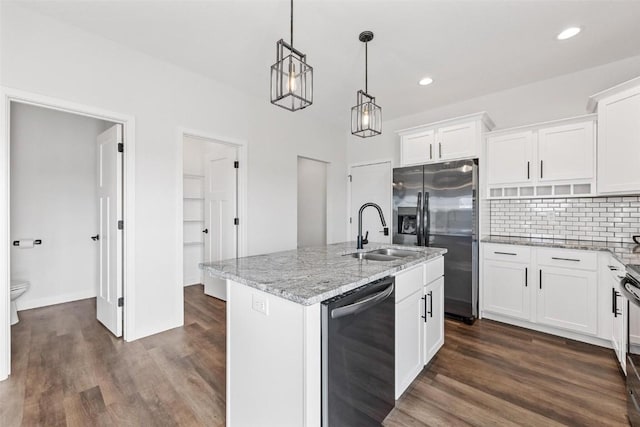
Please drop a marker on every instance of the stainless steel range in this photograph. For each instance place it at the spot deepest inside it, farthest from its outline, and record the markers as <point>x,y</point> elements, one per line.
<point>630,288</point>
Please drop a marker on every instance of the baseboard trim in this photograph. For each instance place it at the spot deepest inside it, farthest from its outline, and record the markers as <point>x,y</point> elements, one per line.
<point>57,299</point>
<point>549,330</point>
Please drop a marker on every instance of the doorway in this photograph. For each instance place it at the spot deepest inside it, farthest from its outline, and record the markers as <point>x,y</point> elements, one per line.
<point>370,182</point>
<point>312,202</point>
<point>211,206</point>
<point>50,202</point>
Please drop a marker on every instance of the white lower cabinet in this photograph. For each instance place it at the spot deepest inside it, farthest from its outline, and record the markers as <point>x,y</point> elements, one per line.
<point>419,320</point>
<point>508,293</point>
<point>552,290</point>
<point>568,299</point>
<point>409,340</point>
<point>434,319</point>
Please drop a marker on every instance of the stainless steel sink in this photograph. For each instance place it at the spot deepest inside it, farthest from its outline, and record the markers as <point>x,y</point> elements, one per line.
<point>373,256</point>
<point>398,253</point>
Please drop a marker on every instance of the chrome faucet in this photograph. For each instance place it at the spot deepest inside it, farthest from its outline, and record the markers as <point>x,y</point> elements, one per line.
<point>363,241</point>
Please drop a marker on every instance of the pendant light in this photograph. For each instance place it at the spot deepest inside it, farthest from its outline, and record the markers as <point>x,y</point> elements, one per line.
<point>366,116</point>
<point>291,76</point>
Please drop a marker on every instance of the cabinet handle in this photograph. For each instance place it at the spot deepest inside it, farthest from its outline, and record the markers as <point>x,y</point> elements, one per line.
<point>612,268</point>
<point>504,253</point>
<point>528,170</point>
<point>424,300</point>
<point>526,277</point>
<point>430,303</point>
<point>541,169</point>
<point>540,278</point>
<point>431,151</point>
<point>565,259</point>
<point>440,149</point>
<point>614,301</point>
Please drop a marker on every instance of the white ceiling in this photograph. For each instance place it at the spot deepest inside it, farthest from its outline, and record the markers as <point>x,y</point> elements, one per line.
<point>470,48</point>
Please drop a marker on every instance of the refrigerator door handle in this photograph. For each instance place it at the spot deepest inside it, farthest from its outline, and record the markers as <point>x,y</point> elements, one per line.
<point>426,219</point>
<point>419,219</point>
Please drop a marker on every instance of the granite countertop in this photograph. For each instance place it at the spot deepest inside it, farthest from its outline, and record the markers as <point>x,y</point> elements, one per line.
<point>310,275</point>
<point>626,253</point>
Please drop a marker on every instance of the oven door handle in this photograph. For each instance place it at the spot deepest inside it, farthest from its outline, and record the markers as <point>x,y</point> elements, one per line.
<point>627,293</point>
<point>362,304</point>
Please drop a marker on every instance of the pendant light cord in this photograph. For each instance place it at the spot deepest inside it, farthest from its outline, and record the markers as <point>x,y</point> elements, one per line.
<point>366,67</point>
<point>291,23</point>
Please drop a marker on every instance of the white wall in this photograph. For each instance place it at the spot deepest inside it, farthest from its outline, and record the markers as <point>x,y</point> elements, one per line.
<point>45,56</point>
<point>54,198</point>
<point>312,203</point>
<point>556,98</point>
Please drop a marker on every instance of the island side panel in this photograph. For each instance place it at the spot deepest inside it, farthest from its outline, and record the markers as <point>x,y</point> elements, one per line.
<point>273,360</point>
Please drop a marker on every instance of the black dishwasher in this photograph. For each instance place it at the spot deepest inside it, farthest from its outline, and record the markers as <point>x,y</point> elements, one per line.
<point>358,355</point>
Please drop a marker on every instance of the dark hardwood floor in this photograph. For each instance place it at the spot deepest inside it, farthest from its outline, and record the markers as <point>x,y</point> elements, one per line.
<point>491,374</point>
<point>68,370</point>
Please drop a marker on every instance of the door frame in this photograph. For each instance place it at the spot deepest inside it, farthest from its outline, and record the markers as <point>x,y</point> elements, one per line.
<point>8,95</point>
<point>387,215</point>
<point>242,147</point>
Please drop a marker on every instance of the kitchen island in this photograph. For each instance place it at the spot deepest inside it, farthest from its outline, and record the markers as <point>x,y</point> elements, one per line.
<point>274,322</point>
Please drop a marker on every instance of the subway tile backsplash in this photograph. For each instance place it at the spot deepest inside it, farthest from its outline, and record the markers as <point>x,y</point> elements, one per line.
<point>610,219</point>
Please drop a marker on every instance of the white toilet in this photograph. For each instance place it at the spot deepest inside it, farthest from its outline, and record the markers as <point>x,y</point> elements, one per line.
<point>18,287</point>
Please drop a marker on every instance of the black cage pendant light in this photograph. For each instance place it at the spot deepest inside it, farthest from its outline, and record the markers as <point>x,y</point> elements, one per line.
<point>291,76</point>
<point>366,116</point>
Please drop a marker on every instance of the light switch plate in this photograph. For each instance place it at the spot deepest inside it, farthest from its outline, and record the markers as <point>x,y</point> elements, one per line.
<point>260,304</point>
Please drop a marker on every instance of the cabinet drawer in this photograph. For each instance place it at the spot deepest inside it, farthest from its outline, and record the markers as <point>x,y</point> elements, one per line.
<point>434,269</point>
<point>510,253</point>
<point>580,260</point>
<point>409,281</point>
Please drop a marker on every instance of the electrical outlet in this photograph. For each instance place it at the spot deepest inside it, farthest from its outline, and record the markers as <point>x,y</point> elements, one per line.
<point>260,304</point>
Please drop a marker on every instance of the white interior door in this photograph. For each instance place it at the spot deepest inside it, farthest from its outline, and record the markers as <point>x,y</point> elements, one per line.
<point>220,210</point>
<point>371,183</point>
<point>110,162</point>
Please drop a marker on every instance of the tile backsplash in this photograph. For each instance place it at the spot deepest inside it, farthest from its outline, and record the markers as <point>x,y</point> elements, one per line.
<point>611,219</point>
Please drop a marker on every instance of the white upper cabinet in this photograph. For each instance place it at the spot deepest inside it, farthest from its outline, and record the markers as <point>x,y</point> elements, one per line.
<point>458,138</point>
<point>566,152</point>
<point>618,138</point>
<point>458,141</point>
<point>509,158</point>
<point>553,159</point>
<point>418,148</point>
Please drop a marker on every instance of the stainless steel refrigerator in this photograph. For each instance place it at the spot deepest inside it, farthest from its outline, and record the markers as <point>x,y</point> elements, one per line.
<point>436,205</point>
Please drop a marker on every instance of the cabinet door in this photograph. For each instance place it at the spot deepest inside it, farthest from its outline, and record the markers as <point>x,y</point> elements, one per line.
<point>567,299</point>
<point>457,141</point>
<point>619,143</point>
<point>417,149</point>
<point>409,340</point>
<point>434,320</point>
<point>619,327</point>
<point>510,158</point>
<point>506,288</point>
<point>566,152</point>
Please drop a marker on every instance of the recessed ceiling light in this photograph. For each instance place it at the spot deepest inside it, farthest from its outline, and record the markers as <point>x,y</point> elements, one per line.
<point>425,81</point>
<point>568,33</point>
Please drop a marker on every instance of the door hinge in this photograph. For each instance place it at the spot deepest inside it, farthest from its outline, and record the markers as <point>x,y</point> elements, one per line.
<point>236,221</point>
<point>120,147</point>
<point>350,178</point>
<point>236,164</point>
<point>121,302</point>
<point>120,225</point>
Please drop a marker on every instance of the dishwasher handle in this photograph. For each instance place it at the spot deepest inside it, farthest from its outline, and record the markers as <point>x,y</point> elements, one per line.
<point>362,304</point>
